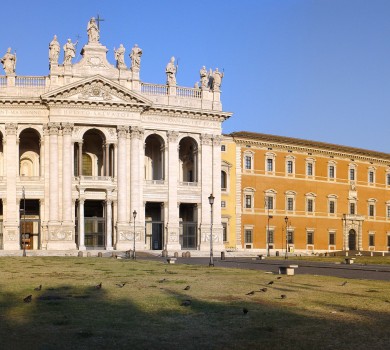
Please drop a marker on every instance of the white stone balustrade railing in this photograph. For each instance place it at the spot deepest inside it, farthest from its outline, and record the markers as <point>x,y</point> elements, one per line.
<point>194,184</point>
<point>3,81</point>
<point>155,182</point>
<point>30,178</point>
<point>154,89</point>
<point>95,178</point>
<point>30,81</point>
<point>188,92</point>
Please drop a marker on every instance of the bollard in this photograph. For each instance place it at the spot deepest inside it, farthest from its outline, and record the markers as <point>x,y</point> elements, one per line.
<point>277,253</point>
<point>222,255</point>
<point>88,254</point>
<point>100,254</point>
<point>80,254</point>
<point>164,253</point>
<point>188,254</point>
<point>176,255</point>
<point>183,254</point>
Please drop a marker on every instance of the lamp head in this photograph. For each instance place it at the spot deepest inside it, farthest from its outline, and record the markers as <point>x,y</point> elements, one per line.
<point>286,220</point>
<point>211,199</point>
<point>134,214</point>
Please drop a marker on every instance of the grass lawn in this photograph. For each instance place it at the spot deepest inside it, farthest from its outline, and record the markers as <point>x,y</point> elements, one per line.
<point>69,312</point>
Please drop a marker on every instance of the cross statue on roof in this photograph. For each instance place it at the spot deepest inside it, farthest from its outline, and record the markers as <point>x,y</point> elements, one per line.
<point>98,20</point>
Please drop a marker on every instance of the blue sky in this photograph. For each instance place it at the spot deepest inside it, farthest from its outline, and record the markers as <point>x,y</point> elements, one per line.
<point>312,69</point>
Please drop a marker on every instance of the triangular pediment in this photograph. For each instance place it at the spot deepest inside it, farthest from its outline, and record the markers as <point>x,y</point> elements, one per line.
<point>96,90</point>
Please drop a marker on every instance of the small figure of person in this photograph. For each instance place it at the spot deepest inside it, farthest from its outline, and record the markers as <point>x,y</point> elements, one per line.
<point>93,31</point>
<point>135,57</point>
<point>204,78</point>
<point>120,57</point>
<point>170,70</point>
<point>54,51</point>
<point>9,62</point>
<point>69,51</point>
<point>217,80</point>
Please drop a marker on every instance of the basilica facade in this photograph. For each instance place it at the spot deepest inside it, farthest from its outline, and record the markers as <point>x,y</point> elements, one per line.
<point>91,157</point>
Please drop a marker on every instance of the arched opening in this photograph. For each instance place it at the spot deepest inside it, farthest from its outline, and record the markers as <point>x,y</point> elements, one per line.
<point>154,158</point>
<point>93,154</point>
<point>188,160</point>
<point>29,153</point>
<point>352,240</point>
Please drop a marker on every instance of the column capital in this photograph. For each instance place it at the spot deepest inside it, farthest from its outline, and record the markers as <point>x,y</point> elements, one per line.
<point>67,128</point>
<point>54,128</point>
<point>136,132</point>
<point>206,139</point>
<point>217,140</point>
<point>122,131</point>
<point>11,128</point>
<point>172,136</point>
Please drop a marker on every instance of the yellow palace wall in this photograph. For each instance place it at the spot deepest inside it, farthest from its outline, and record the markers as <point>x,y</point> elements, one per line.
<point>319,223</point>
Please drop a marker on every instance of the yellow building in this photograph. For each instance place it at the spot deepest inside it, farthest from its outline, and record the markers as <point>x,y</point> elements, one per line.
<point>309,196</point>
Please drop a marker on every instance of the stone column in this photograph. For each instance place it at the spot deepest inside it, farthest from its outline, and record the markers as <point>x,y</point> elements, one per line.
<point>109,224</point>
<point>218,245</point>
<point>107,160</point>
<point>67,174</point>
<point>172,220</point>
<point>136,183</point>
<point>53,170</point>
<point>207,189</point>
<point>80,162</point>
<point>122,225</point>
<point>11,234</point>
<point>81,242</point>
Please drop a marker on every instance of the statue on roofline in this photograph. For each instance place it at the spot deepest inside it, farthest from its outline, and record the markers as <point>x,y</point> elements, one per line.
<point>9,62</point>
<point>69,51</point>
<point>170,70</point>
<point>93,31</point>
<point>135,57</point>
<point>120,57</point>
<point>54,51</point>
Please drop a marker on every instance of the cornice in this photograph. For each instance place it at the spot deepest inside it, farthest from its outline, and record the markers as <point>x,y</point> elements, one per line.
<point>21,102</point>
<point>308,146</point>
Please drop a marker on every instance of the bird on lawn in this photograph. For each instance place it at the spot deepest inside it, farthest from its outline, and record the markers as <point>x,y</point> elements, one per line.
<point>251,292</point>
<point>186,303</point>
<point>344,283</point>
<point>279,277</point>
<point>283,296</point>
<point>99,286</point>
<point>263,289</point>
<point>28,299</point>
<point>271,282</point>
<point>162,281</point>
<point>187,288</point>
<point>121,285</point>
<point>38,288</point>
<point>245,310</point>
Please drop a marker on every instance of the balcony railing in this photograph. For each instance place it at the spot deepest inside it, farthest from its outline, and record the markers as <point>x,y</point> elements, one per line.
<point>154,89</point>
<point>155,182</point>
<point>30,81</point>
<point>192,184</point>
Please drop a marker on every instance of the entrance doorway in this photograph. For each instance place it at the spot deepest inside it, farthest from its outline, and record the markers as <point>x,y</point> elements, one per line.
<point>352,240</point>
<point>154,226</point>
<point>188,226</point>
<point>30,225</point>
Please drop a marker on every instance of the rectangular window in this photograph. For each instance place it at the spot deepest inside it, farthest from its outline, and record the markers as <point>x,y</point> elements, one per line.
<point>388,240</point>
<point>224,231</point>
<point>388,179</point>
<point>289,167</point>
<point>270,202</point>
<point>371,210</point>
<point>270,164</point>
<point>352,208</point>
<point>270,236</point>
<point>248,201</point>
<point>388,211</point>
<point>331,171</point>
<point>223,148</point>
<point>371,177</point>
<point>352,174</point>
<point>331,207</point>
<point>310,237</point>
<point>290,204</point>
<point>248,162</point>
<point>290,237</point>
<point>371,240</point>
<point>223,204</point>
<point>310,205</point>
<point>332,238</point>
<point>309,169</point>
<point>248,236</point>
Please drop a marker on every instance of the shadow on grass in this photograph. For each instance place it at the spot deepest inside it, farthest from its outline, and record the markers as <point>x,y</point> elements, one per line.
<point>71,317</point>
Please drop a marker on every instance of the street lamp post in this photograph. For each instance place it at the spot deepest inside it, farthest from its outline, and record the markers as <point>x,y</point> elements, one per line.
<point>286,221</point>
<point>268,219</point>
<point>211,201</point>
<point>24,222</point>
<point>134,216</point>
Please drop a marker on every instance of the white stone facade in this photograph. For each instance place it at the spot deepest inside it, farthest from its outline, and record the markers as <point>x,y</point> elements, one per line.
<point>89,144</point>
